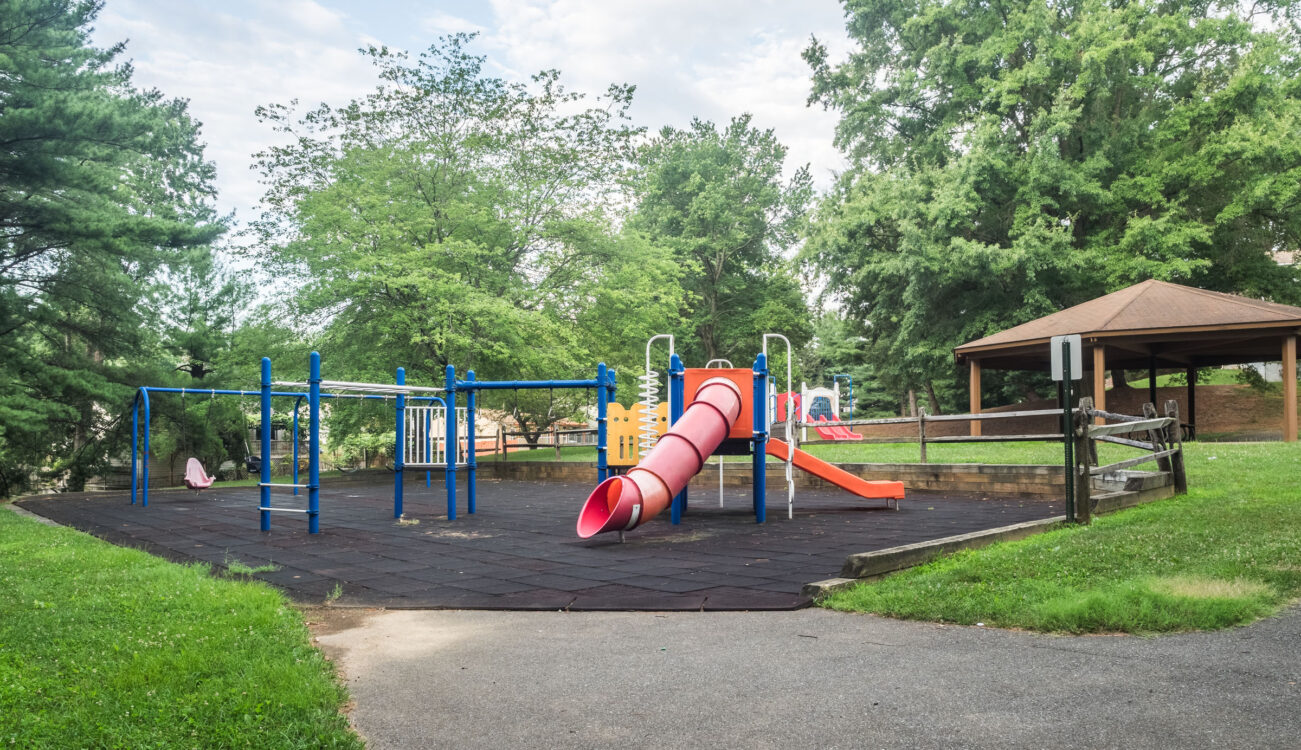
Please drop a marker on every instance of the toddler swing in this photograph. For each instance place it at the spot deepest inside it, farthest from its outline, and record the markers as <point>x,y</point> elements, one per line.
<point>196,478</point>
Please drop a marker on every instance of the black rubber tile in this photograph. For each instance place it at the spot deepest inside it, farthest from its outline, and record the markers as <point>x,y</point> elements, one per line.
<point>520,550</point>
<point>492,586</point>
<point>554,581</point>
<point>619,598</point>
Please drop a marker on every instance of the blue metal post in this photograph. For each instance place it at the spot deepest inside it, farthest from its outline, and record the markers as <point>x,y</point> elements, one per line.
<point>449,451</point>
<point>135,440</point>
<point>760,437</point>
<point>144,457</point>
<point>469,442</point>
<point>314,445</point>
<point>265,479</point>
<point>601,396</point>
<point>400,445</point>
<point>677,396</point>
<point>297,402</point>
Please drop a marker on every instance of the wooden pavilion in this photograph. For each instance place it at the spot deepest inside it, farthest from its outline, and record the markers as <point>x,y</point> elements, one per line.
<point>1152,325</point>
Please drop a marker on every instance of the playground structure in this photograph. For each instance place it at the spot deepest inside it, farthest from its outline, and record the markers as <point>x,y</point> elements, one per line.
<point>712,411</point>
<point>821,405</point>
<point>414,430</point>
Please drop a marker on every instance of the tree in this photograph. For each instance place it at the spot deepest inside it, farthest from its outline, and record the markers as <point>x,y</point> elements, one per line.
<point>450,217</point>
<point>201,302</point>
<point>101,187</point>
<point>716,198</point>
<point>1010,159</point>
<point>836,348</point>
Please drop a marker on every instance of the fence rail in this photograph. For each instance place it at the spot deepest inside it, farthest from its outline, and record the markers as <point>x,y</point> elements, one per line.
<point>544,438</point>
<point>922,419</point>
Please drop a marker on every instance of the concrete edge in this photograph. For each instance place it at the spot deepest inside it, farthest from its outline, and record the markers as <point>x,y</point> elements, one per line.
<point>28,514</point>
<point>822,589</point>
<point>877,562</point>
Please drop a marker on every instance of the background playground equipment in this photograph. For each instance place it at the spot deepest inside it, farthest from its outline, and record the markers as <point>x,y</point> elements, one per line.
<point>712,411</point>
<point>816,405</point>
<point>427,450</point>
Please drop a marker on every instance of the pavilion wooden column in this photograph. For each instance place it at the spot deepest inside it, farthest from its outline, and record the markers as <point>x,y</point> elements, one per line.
<point>975,396</point>
<point>1151,378</point>
<point>1099,380</point>
<point>1289,388</point>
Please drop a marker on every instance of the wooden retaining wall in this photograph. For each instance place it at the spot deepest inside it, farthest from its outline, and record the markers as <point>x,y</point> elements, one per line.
<point>1034,481</point>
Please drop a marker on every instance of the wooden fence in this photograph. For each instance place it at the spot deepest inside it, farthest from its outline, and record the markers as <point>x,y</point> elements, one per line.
<point>922,419</point>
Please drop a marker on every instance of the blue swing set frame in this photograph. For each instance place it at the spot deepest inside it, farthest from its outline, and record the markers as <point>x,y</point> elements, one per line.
<point>604,384</point>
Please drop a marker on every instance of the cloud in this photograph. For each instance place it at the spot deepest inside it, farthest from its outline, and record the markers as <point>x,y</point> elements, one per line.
<point>687,58</point>
<point>227,65</point>
<point>714,60</point>
<point>444,23</point>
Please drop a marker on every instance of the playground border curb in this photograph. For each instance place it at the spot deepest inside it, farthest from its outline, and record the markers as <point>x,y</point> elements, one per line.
<point>867,565</point>
<point>33,516</point>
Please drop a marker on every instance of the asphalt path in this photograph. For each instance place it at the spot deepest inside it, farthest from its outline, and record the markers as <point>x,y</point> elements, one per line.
<point>810,678</point>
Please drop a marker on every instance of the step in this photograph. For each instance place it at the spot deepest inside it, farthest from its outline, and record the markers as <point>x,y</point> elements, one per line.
<point>1131,481</point>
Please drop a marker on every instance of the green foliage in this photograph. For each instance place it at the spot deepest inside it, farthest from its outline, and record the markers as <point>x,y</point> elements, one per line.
<point>837,348</point>
<point>102,646</point>
<point>359,446</point>
<point>1010,160</point>
<point>716,199</point>
<point>102,188</point>
<point>1223,555</point>
<point>450,217</point>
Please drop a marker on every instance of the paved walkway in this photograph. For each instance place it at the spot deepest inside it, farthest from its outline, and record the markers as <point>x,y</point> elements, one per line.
<point>520,550</point>
<point>808,679</point>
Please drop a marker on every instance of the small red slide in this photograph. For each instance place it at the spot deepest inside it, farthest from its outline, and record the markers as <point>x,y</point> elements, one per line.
<point>835,431</point>
<point>817,467</point>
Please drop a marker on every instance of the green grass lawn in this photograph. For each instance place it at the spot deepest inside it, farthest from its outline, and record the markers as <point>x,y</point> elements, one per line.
<point>102,646</point>
<point>989,453</point>
<point>1225,554</point>
<point>1032,452</point>
<point>1213,377</point>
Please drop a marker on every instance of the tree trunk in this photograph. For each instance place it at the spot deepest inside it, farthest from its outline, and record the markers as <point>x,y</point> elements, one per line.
<point>1118,380</point>
<point>912,403</point>
<point>930,395</point>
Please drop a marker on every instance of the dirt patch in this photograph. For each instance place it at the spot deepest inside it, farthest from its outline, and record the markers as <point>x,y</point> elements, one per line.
<point>326,620</point>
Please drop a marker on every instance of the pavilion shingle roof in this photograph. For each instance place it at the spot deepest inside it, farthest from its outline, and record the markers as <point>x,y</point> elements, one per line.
<point>1148,307</point>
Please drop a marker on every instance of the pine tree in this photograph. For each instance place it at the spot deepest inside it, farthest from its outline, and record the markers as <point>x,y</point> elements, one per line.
<point>101,187</point>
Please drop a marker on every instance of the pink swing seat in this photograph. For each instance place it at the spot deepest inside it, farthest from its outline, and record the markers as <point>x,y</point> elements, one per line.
<point>195,477</point>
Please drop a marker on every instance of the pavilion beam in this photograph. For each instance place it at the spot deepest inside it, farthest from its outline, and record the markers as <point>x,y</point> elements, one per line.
<point>1099,379</point>
<point>1137,347</point>
<point>974,397</point>
<point>1289,389</point>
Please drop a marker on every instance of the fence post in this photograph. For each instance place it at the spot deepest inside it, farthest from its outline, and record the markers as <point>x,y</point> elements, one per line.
<point>1177,460</point>
<point>1082,481</point>
<point>921,432</point>
<point>1156,437</point>
<point>501,442</point>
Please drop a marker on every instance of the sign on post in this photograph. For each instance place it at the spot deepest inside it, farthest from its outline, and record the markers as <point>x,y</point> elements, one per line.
<point>1076,356</point>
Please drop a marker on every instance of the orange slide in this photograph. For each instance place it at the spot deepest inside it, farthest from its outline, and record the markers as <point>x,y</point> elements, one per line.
<point>837,476</point>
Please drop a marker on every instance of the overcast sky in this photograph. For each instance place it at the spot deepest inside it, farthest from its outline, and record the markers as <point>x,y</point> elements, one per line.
<point>708,58</point>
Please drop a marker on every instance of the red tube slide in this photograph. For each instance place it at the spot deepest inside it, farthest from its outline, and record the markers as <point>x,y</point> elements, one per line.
<point>622,503</point>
